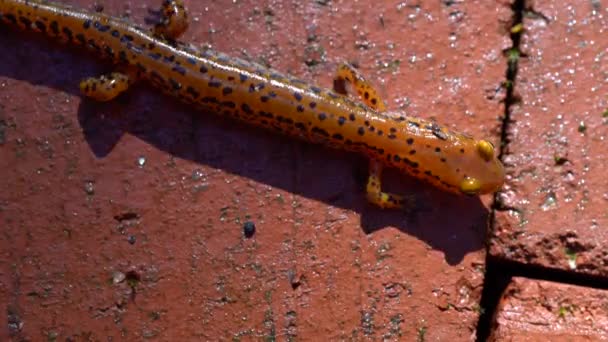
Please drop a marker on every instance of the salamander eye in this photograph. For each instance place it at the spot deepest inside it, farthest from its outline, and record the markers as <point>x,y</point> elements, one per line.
<point>470,186</point>
<point>485,150</point>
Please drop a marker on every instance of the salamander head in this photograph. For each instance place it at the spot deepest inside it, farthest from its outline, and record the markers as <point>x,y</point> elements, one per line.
<point>483,171</point>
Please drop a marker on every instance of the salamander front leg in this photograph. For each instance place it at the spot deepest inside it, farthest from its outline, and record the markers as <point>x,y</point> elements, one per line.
<point>374,190</point>
<point>346,73</point>
<point>173,20</point>
<point>106,87</point>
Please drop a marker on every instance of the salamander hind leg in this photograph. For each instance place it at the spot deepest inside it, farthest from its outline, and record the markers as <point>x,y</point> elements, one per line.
<point>374,190</point>
<point>106,87</point>
<point>173,20</point>
<point>346,73</point>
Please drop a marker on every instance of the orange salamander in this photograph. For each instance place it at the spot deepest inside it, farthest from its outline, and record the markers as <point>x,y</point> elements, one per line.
<point>452,161</point>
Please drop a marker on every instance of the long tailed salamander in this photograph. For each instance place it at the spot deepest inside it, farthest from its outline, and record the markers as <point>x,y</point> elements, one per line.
<point>263,97</point>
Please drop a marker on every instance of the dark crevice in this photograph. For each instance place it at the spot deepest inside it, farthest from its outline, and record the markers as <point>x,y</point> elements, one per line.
<point>497,276</point>
<point>499,271</point>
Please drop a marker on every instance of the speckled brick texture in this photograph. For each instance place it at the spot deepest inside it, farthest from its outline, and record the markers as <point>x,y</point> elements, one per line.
<point>556,196</point>
<point>124,220</point>
<point>533,310</point>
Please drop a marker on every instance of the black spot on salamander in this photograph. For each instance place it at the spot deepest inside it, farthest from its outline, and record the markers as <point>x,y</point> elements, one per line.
<point>409,141</point>
<point>393,129</point>
<point>372,128</point>
<point>264,98</point>
<point>428,173</point>
<point>320,131</point>
<point>366,123</point>
<point>54,27</point>
<point>312,105</point>
<point>412,152</point>
<point>209,99</point>
<point>154,55</point>
<point>361,131</point>
<point>203,69</point>
<point>366,95</point>
<point>396,158</point>
<point>26,22</point>
<point>300,126</point>
<point>300,108</point>
<point>230,78</point>
<point>126,38</point>
<point>391,136</point>
<point>100,27</point>
<point>229,104</point>
<point>338,136</point>
<point>322,116</point>
<point>437,149</point>
<point>174,84</point>
<point>439,134</point>
<point>93,45</point>
<point>332,95</point>
<point>315,90</point>
<point>245,108</point>
<point>214,83</point>
<point>266,114</point>
<point>86,24</point>
<point>351,117</point>
<point>272,94</point>
<point>191,60</point>
<point>297,96</point>
<point>436,130</point>
<point>115,33</point>
<point>284,119</point>
<point>413,124</point>
<point>195,94</point>
<point>80,38</point>
<point>179,69</point>
<point>410,163</point>
<point>243,77</point>
<point>167,59</point>
<point>11,18</point>
<point>226,91</point>
<point>380,132</point>
<point>341,120</point>
<point>443,160</point>
<point>122,55</point>
<point>157,78</point>
<point>39,25</point>
<point>109,51</point>
<point>374,101</point>
<point>462,150</point>
<point>68,33</point>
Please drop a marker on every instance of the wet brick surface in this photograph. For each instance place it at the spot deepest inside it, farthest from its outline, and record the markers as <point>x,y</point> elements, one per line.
<point>126,219</point>
<point>533,310</point>
<point>556,196</point>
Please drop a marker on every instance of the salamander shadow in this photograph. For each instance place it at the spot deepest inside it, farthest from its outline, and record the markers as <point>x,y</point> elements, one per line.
<point>454,225</point>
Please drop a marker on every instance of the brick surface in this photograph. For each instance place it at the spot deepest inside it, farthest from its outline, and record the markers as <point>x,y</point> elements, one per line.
<point>125,219</point>
<point>532,310</point>
<point>556,192</point>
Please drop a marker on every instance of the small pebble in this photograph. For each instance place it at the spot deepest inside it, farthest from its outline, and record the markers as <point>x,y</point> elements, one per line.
<point>249,229</point>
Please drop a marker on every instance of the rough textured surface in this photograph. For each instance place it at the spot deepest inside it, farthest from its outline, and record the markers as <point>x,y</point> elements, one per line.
<point>125,219</point>
<point>532,310</point>
<point>556,195</point>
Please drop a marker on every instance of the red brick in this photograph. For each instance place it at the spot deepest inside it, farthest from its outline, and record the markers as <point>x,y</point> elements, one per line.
<point>533,310</point>
<point>322,262</point>
<point>556,189</point>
